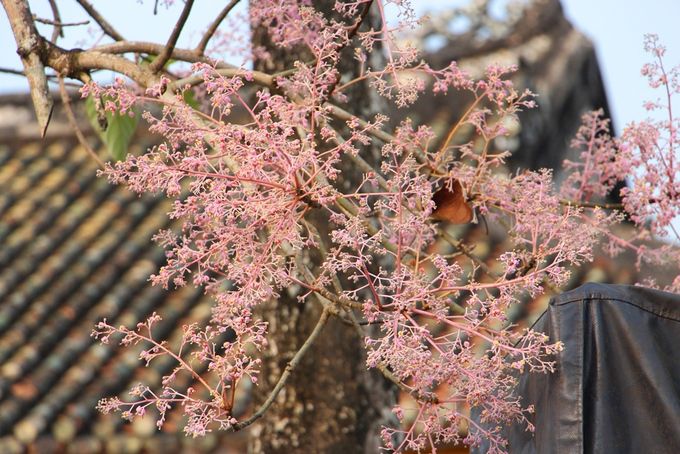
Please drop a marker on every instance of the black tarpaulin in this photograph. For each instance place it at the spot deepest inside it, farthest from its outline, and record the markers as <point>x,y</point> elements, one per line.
<point>617,385</point>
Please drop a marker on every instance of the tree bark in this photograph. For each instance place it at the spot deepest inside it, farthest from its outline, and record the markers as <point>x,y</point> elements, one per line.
<point>332,403</point>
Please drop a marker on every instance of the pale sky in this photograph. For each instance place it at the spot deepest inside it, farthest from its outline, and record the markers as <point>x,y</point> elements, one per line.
<point>616,27</point>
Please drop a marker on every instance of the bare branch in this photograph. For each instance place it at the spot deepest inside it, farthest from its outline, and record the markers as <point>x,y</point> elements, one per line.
<point>51,78</point>
<point>17,72</point>
<point>60,24</point>
<point>30,46</point>
<point>58,31</point>
<point>200,49</point>
<point>74,63</point>
<point>290,367</point>
<point>99,19</point>
<point>355,28</point>
<point>164,56</point>
<point>143,47</point>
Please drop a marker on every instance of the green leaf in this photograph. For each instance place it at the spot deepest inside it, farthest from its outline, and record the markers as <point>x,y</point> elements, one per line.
<point>190,99</point>
<point>94,115</point>
<point>119,133</point>
<point>114,129</point>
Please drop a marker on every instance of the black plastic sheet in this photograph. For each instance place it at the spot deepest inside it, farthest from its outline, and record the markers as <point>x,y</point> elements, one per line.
<point>617,385</point>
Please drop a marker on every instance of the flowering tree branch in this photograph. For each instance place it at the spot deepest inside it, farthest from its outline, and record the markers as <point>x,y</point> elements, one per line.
<point>261,191</point>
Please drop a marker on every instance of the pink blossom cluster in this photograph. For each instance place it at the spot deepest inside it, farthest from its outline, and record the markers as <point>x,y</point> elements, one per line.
<point>252,180</point>
<point>651,151</point>
<point>645,157</point>
<point>210,405</point>
<point>597,170</point>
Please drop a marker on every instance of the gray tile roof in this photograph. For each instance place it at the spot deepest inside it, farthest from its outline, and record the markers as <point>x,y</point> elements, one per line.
<point>74,250</point>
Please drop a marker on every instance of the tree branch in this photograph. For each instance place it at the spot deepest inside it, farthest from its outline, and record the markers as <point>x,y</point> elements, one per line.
<point>144,47</point>
<point>16,72</point>
<point>75,62</point>
<point>200,49</point>
<point>290,367</point>
<point>258,77</point>
<point>61,24</point>
<point>58,31</point>
<point>364,14</point>
<point>603,206</point>
<point>30,47</point>
<point>164,56</point>
<point>99,19</point>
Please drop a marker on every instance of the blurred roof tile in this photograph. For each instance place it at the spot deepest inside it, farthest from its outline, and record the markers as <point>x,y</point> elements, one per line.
<point>76,249</point>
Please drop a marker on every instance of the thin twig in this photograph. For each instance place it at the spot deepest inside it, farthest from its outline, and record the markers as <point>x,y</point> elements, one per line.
<point>200,49</point>
<point>350,36</point>
<point>465,250</point>
<point>452,131</point>
<point>164,56</point>
<point>143,47</point>
<point>61,24</point>
<point>58,30</point>
<point>66,101</point>
<point>52,78</point>
<point>335,299</point>
<point>290,367</point>
<point>257,77</point>
<point>603,206</point>
<point>17,72</point>
<point>99,19</point>
<point>364,14</point>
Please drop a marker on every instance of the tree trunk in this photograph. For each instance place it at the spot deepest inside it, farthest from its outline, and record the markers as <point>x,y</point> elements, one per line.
<point>332,403</point>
